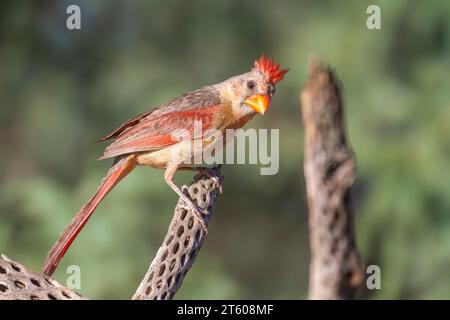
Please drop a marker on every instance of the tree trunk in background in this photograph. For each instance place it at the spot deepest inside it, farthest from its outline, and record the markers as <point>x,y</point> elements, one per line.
<point>329,167</point>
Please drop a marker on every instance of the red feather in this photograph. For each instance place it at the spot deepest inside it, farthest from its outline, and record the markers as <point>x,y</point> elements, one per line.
<point>118,171</point>
<point>270,69</point>
<point>155,132</point>
<point>126,125</point>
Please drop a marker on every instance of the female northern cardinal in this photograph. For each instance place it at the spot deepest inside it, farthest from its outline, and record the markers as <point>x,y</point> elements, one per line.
<point>147,139</point>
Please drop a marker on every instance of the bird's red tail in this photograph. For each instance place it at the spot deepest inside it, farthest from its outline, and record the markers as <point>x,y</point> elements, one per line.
<point>118,171</point>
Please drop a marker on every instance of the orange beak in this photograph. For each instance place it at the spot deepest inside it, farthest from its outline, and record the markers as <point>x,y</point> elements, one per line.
<point>258,102</point>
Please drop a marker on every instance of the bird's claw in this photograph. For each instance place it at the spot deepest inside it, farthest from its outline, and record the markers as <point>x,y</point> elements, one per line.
<point>213,174</point>
<point>198,213</point>
<point>217,183</point>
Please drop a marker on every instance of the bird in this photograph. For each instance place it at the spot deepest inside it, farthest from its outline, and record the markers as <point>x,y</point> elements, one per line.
<point>148,139</point>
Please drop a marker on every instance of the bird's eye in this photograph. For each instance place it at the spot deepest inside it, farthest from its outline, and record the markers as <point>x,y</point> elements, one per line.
<point>251,84</point>
<point>270,89</point>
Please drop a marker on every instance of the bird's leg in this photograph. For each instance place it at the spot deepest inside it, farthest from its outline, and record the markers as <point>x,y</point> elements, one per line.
<point>210,173</point>
<point>168,177</point>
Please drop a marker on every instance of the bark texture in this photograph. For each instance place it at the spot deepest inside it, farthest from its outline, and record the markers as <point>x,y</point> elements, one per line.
<point>19,283</point>
<point>330,169</point>
<point>182,243</point>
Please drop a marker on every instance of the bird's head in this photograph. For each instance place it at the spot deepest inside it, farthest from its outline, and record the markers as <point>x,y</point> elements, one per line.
<point>251,92</point>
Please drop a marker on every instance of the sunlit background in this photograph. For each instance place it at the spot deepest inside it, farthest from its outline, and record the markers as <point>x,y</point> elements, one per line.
<point>61,90</point>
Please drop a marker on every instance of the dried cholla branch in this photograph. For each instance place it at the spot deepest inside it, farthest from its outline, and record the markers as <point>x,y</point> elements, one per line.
<point>18,283</point>
<point>182,243</point>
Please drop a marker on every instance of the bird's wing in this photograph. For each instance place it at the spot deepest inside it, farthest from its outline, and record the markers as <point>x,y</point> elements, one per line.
<point>126,125</point>
<point>198,99</point>
<point>155,132</point>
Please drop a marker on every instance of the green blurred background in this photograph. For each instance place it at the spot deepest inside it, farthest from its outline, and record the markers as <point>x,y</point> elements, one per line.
<point>61,90</point>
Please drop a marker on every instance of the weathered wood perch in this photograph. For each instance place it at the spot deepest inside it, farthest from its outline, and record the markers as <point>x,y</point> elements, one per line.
<point>183,240</point>
<point>330,169</point>
<point>18,283</point>
<point>166,273</point>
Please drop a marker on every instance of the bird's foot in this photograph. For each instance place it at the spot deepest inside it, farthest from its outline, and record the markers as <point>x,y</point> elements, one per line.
<point>212,173</point>
<point>198,213</point>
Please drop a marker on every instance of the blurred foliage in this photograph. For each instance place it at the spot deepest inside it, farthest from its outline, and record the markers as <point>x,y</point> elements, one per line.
<point>61,90</point>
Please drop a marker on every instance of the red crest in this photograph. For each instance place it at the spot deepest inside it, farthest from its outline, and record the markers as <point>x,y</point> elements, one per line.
<point>270,68</point>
